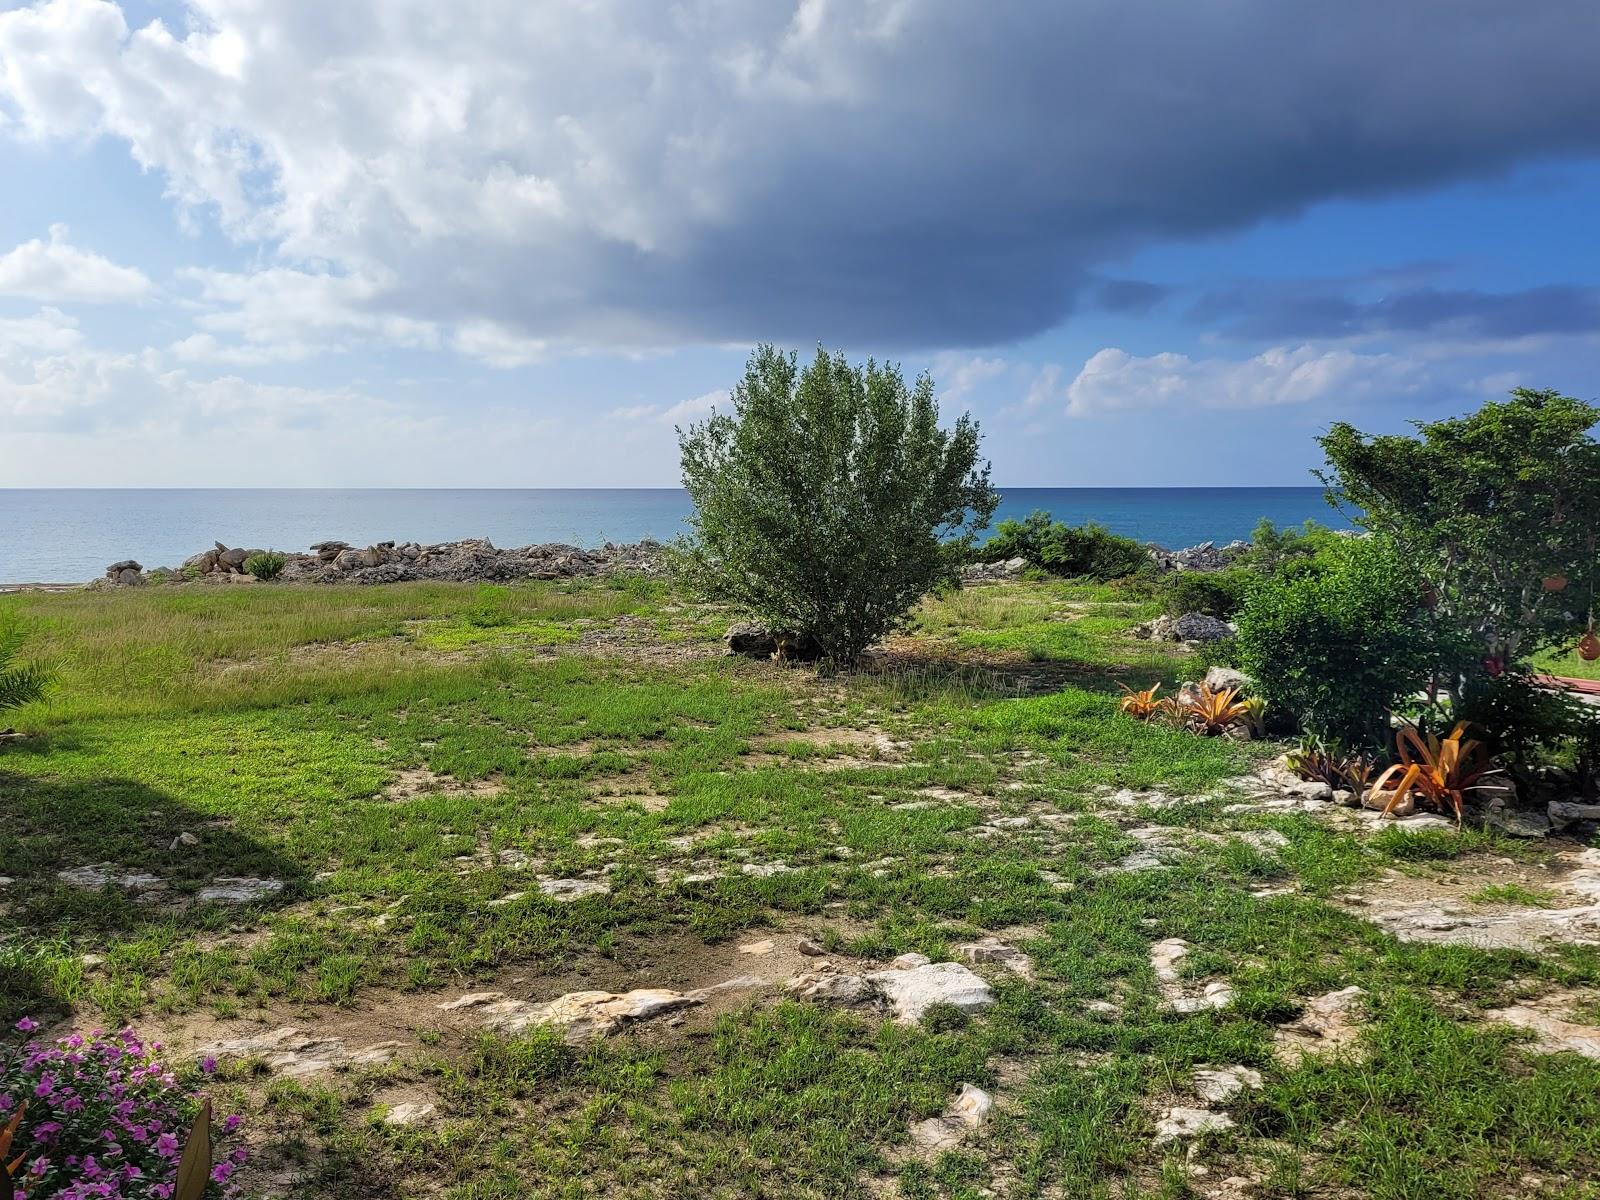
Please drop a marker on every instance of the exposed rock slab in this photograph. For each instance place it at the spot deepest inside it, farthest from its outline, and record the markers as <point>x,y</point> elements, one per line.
<point>1218,1085</point>
<point>292,1052</point>
<point>568,890</point>
<point>912,990</point>
<point>1182,1123</point>
<point>966,1112</point>
<point>1164,959</point>
<point>581,1016</point>
<point>1441,922</point>
<point>238,889</point>
<point>1553,1035</point>
<point>993,950</point>
<point>1327,1023</point>
<point>100,875</point>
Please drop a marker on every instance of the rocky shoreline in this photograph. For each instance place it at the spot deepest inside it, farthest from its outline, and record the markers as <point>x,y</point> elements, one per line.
<point>477,560</point>
<point>471,560</point>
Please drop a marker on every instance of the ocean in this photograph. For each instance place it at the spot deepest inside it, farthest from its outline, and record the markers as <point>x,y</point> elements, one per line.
<point>70,535</point>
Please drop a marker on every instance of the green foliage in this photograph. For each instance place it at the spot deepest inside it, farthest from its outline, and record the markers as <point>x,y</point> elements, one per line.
<point>1075,551</point>
<point>1486,508</point>
<point>1521,721</point>
<point>1216,593</point>
<point>829,500</point>
<point>1337,650</point>
<point>20,683</point>
<point>266,565</point>
<point>1290,548</point>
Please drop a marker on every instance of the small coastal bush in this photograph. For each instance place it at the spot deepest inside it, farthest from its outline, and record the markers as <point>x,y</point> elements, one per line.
<point>1337,650</point>
<point>104,1118</point>
<point>1217,594</point>
<point>20,683</point>
<point>1290,548</point>
<point>828,501</point>
<point>1075,551</point>
<point>268,564</point>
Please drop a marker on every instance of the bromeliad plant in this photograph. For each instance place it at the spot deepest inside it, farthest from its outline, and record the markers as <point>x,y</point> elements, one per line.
<point>1438,770</point>
<point>1322,761</point>
<point>101,1117</point>
<point>1143,705</point>
<point>1211,711</point>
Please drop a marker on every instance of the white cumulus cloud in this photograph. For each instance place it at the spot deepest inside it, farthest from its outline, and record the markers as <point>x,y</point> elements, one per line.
<point>55,271</point>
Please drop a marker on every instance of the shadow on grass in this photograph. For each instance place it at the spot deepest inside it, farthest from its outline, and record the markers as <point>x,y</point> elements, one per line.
<point>916,675</point>
<point>131,834</point>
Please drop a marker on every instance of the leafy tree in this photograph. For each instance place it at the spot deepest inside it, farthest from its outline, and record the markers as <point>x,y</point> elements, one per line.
<point>20,683</point>
<point>1497,512</point>
<point>1336,649</point>
<point>829,501</point>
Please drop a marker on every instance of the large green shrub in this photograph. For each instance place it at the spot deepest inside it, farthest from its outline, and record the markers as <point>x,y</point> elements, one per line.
<point>1497,512</point>
<point>1077,551</point>
<point>1338,649</point>
<point>1218,594</point>
<point>829,501</point>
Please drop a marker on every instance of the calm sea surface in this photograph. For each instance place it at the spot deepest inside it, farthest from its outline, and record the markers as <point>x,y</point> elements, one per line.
<point>70,535</point>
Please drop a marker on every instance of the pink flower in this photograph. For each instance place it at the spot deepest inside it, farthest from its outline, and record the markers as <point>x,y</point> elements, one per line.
<point>27,1025</point>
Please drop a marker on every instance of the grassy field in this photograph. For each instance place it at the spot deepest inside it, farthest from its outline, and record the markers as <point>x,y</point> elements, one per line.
<point>405,759</point>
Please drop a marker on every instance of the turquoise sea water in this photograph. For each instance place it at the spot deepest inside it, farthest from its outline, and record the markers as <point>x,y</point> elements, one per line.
<point>70,535</point>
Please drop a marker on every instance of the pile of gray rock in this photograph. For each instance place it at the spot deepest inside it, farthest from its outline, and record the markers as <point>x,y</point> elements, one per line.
<point>472,560</point>
<point>993,572</point>
<point>1190,627</point>
<point>1207,556</point>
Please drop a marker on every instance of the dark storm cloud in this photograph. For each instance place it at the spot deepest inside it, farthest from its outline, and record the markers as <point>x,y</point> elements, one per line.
<point>944,172</point>
<point>1324,310</point>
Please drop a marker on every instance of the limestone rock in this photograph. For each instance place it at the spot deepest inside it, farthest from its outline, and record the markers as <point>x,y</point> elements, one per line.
<point>1181,1123</point>
<point>410,1112</point>
<point>99,875</point>
<point>291,1052</point>
<point>827,984</point>
<point>238,890</point>
<point>1220,678</point>
<point>1221,1084</point>
<point>1553,1034</point>
<point>581,1016</point>
<point>1328,1022</point>
<point>993,950</point>
<point>966,1112</point>
<point>912,991</point>
<point>568,890</point>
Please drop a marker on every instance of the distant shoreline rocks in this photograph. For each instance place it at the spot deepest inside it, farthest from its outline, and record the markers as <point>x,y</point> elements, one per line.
<point>471,560</point>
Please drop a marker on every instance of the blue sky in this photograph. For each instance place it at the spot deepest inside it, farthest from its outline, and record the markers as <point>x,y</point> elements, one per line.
<point>393,243</point>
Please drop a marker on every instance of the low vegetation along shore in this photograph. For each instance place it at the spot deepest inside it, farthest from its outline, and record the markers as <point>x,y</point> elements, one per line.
<point>536,889</point>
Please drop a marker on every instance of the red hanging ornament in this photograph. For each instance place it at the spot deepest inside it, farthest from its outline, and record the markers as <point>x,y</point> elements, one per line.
<point>1589,647</point>
<point>1555,583</point>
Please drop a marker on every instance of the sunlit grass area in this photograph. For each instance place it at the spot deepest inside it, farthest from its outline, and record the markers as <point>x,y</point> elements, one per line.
<point>408,760</point>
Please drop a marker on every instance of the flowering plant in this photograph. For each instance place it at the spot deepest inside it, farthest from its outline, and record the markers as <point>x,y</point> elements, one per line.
<point>100,1119</point>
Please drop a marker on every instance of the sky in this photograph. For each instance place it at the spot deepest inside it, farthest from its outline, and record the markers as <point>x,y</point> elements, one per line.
<point>515,243</point>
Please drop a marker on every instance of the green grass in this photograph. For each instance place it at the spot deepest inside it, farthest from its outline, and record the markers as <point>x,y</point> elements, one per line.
<point>277,725</point>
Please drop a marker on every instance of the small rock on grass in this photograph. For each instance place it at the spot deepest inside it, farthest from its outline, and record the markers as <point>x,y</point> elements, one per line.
<point>1181,1123</point>
<point>993,950</point>
<point>1221,1084</point>
<point>968,1110</point>
<point>410,1112</point>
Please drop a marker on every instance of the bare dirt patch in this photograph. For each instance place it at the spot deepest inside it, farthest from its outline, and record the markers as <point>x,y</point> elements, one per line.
<point>423,781</point>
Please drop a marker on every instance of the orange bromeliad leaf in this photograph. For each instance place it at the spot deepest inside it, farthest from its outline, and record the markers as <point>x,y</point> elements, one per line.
<point>1213,711</point>
<point>1438,770</point>
<point>194,1168</point>
<point>1142,704</point>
